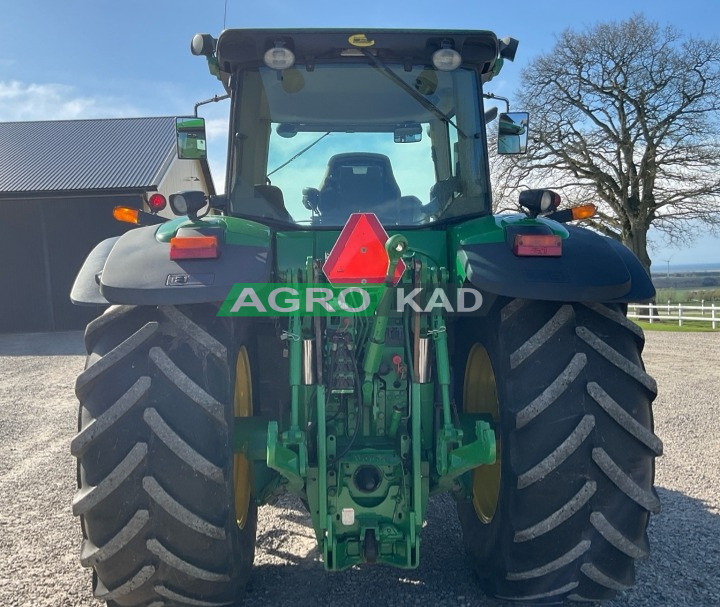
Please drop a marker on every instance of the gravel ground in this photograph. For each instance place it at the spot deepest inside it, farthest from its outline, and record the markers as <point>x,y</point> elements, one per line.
<point>39,539</point>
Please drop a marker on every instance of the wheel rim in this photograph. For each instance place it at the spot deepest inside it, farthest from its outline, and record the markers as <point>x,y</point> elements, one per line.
<point>480,396</point>
<point>242,472</point>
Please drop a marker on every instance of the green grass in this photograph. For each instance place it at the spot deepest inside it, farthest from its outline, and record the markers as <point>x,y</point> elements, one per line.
<point>688,296</point>
<point>688,326</point>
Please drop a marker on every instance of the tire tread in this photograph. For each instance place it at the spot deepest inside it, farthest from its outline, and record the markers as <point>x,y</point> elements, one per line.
<point>578,452</point>
<point>154,452</point>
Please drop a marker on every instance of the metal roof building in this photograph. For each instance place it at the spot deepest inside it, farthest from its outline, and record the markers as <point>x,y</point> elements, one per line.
<point>59,181</point>
<point>86,155</point>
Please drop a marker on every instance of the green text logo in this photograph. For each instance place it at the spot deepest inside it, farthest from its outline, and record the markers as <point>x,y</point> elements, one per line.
<point>272,299</point>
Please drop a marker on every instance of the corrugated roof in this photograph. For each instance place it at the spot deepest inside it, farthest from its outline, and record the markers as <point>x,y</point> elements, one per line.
<point>114,153</point>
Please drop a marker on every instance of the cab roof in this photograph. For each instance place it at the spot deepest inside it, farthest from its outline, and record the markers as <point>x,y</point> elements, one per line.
<point>239,48</point>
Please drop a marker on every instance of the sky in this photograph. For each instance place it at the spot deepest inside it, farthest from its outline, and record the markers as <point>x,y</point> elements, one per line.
<point>76,59</point>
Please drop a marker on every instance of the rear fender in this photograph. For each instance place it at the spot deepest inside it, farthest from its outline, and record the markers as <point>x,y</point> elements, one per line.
<point>592,268</point>
<point>136,268</point>
<point>86,288</point>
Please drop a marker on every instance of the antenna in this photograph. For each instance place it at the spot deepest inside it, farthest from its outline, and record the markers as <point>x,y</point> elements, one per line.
<point>225,14</point>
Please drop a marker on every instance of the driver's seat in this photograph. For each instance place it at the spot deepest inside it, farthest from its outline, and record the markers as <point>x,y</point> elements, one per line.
<point>356,181</point>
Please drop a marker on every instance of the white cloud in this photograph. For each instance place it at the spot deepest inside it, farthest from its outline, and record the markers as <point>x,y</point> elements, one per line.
<point>216,128</point>
<point>217,170</point>
<point>20,101</point>
<point>28,101</point>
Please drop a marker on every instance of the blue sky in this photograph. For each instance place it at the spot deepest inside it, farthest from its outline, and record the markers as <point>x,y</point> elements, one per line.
<point>97,59</point>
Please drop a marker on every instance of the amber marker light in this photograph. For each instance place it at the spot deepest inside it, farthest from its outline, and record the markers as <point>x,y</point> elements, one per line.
<point>583,211</point>
<point>126,214</point>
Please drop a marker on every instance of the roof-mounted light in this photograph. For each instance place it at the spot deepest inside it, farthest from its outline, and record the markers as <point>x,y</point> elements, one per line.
<point>508,47</point>
<point>279,57</point>
<point>202,44</point>
<point>446,58</point>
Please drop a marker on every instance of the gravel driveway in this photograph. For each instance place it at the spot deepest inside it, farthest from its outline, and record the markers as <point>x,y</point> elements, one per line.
<point>40,540</point>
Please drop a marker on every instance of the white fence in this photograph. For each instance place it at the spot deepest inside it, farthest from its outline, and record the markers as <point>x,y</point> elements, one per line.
<point>676,312</point>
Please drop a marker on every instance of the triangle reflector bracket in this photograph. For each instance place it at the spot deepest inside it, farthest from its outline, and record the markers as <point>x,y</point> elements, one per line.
<point>359,255</point>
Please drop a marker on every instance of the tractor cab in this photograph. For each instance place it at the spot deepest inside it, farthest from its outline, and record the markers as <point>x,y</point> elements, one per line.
<point>327,123</point>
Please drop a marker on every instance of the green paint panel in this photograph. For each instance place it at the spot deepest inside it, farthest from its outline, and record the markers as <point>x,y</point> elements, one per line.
<point>367,489</point>
<point>293,248</point>
<point>237,231</point>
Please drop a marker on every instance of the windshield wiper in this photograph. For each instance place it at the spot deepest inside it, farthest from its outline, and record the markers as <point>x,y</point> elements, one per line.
<point>419,97</point>
<point>300,153</point>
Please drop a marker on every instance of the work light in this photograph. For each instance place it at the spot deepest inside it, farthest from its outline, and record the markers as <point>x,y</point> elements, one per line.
<point>279,57</point>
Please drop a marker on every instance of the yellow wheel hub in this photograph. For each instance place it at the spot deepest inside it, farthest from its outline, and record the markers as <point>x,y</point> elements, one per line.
<point>242,472</point>
<point>480,396</point>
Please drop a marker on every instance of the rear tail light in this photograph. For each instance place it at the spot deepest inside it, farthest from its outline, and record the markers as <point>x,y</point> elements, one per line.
<point>537,245</point>
<point>156,202</point>
<point>194,247</point>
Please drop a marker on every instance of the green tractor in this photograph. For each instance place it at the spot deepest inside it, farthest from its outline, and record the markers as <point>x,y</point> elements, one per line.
<point>351,324</point>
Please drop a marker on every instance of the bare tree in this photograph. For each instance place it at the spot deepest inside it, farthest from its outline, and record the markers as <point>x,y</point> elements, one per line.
<point>627,113</point>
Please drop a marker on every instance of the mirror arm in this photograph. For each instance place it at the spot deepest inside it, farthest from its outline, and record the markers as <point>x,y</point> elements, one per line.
<point>493,96</point>
<point>214,99</point>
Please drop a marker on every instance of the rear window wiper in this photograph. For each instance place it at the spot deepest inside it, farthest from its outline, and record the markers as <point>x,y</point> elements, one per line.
<point>419,97</point>
<point>300,153</point>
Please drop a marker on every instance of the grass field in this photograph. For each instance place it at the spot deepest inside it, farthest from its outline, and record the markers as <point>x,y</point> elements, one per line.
<point>688,326</point>
<point>691,297</point>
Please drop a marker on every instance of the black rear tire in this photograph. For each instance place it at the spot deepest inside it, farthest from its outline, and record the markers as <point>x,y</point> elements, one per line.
<point>155,463</point>
<point>577,453</point>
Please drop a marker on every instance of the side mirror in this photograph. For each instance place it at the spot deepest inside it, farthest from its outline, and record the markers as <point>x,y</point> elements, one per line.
<point>188,203</point>
<point>513,132</point>
<point>408,133</point>
<point>191,139</point>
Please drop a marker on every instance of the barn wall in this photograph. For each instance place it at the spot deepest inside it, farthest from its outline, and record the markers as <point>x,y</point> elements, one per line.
<point>43,244</point>
<point>23,305</point>
<point>182,175</point>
